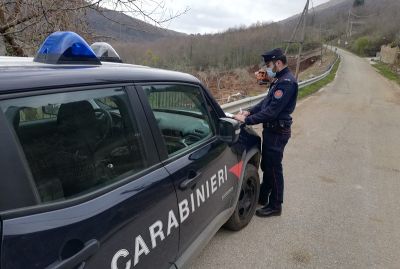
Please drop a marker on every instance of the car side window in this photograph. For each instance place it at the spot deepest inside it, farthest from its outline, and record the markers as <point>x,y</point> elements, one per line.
<point>181,115</point>
<point>77,142</point>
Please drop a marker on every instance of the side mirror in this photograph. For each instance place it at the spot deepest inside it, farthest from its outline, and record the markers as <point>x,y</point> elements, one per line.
<point>228,130</point>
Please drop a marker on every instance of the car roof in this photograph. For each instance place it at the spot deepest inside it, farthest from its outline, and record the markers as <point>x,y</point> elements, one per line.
<point>23,74</point>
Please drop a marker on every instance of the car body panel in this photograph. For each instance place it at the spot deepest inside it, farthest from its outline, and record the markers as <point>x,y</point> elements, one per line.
<point>212,191</point>
<point>115,219</point>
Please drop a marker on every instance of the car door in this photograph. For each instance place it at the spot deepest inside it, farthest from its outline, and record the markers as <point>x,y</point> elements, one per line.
<point>102,199</point>
<point>202,167</point>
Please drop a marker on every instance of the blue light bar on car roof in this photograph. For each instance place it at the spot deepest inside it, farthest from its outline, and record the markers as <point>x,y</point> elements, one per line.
<point>66,48</point>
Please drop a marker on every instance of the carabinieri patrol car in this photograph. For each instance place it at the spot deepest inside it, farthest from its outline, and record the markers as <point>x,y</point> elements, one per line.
<point>110,165</point>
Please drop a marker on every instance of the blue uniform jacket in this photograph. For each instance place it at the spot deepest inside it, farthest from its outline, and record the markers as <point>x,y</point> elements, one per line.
<point>279,103</point>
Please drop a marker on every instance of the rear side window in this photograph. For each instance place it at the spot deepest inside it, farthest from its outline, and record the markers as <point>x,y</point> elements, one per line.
<point>77,142</point>
<point>181,115</point>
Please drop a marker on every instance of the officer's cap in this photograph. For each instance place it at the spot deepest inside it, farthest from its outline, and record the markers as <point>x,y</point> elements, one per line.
<point>273,55</point>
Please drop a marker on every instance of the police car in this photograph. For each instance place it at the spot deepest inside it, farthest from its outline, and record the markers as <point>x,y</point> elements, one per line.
<point>110,165</point>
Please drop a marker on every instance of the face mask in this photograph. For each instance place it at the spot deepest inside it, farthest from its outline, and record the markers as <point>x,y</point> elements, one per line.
<point>271,73</point>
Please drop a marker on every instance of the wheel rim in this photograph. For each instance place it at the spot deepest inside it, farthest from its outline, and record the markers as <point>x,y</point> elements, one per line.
<point>247,198</point>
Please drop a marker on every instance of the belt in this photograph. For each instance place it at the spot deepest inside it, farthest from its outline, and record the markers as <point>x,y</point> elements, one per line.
<point>278,124</point>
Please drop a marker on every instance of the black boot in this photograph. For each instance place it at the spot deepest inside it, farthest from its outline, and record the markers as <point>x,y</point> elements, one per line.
<point>269,211</point>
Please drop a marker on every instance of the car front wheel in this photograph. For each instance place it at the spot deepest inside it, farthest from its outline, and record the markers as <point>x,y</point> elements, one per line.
<point>247,202</point>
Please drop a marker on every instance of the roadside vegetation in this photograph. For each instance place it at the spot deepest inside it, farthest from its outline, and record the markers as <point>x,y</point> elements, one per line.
<point>370,25</point>
<point>368,46</point>
<point>306,91</point>
<point>387,71</point>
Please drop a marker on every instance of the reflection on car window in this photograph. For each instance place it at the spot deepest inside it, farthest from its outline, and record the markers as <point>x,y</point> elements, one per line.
<point>181,115</point>
<point>72,145</point>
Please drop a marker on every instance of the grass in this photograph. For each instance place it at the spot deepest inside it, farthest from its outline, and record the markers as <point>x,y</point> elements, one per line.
<point>310,89</point>
<point>387,72</point>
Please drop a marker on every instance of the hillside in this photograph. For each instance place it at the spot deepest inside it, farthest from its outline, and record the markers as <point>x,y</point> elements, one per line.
<point>330,4</point>
<point>327,10</point>
<point>119,26</point>
<point>378,20</point>
<point>369,26</point>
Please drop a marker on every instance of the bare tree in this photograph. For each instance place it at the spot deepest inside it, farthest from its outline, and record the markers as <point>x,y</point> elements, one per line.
<point>25,23</point>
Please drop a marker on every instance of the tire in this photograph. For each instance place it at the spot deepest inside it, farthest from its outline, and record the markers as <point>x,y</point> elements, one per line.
<point>247,201</point>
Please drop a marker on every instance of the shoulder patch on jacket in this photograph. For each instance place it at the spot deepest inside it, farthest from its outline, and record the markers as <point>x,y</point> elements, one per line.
<point>278,94</point>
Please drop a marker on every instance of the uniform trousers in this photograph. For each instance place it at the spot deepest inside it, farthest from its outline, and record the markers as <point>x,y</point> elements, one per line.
<point>274,142</point>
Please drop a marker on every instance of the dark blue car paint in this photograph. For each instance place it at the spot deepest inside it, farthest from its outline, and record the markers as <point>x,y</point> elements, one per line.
<point>115,218</point>
<point>249,148</point>
<point>206,161</point>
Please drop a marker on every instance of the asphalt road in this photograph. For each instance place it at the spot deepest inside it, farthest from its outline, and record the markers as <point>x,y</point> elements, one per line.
<point>342,184</point>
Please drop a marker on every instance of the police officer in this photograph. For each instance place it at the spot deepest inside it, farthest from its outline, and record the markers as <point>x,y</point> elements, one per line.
<point>274,113</point>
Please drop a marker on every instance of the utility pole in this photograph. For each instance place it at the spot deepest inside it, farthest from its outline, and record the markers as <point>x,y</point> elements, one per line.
<point>354,20</point>
<point>294,34</point>
<point>303,36</point>
<point>348,24</point>
<point>303,20</point>
<point>320,38</point>
<point>191,49</point>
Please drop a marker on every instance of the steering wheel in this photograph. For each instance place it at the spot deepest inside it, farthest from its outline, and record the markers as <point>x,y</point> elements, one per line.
<point>104,116</point>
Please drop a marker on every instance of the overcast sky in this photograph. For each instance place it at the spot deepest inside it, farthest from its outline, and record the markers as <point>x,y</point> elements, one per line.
<point>211,16</point>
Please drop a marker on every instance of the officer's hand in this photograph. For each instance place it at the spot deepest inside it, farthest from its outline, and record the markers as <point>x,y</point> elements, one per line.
<point>240,117</point>
<point>245,113</point>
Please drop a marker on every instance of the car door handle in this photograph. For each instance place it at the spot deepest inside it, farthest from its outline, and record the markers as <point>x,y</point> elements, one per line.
<point>90,248</point>
<point>193,176</point>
